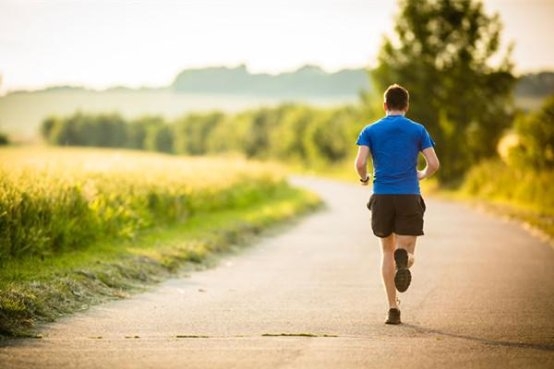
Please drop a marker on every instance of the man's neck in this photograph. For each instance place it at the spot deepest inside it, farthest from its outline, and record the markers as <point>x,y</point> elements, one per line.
<point>395,112</point>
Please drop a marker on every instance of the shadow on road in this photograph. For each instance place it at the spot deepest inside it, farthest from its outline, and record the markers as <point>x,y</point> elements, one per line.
<point>486,341</point>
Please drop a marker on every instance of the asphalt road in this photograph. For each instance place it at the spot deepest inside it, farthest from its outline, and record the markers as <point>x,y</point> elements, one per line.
<point>482,296</point>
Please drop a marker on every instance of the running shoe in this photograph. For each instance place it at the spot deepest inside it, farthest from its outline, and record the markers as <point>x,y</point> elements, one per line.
<point>403,277</point>
<point>394,316</point>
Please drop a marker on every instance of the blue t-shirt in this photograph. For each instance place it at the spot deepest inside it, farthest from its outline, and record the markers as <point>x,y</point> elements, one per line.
<point>395,143</point>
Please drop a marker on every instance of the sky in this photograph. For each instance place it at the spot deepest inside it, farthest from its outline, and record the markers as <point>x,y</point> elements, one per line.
<point>103,43</point>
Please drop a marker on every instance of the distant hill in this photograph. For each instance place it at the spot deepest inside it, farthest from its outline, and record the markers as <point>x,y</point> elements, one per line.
<point>535,85</point>
<point>313,81</point>
<point>306,81</point>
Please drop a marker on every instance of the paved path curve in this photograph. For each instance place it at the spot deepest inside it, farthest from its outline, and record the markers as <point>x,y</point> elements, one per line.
<point>482,297</point>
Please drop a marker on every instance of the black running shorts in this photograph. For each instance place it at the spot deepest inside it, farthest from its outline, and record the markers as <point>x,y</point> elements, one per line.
<point>400,214</point>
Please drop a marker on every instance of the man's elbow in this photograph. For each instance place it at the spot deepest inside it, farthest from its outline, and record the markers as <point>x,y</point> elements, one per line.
<point>435,165</point>
<point>360,165</point>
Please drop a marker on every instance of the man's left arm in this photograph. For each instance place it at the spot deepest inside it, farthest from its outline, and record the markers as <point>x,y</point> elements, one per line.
<point>432,163</point>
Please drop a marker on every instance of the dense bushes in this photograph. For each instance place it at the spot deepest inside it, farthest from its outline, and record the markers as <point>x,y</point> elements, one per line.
<point>4,139</point>
<point>526,188</point>
<point>534,146</point>
<point>525,177</point>
<point>103,130</point>
<point>288,132</point>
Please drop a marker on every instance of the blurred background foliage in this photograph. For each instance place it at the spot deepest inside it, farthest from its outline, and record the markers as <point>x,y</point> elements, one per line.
<point>442,54</point>
<point>291,133</point>
<point>447,53</point>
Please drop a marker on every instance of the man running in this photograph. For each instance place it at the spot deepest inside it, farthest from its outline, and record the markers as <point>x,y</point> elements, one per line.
<point>394,143</point>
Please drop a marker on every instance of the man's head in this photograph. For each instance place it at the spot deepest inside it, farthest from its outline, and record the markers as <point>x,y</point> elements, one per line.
<point>397,98</point>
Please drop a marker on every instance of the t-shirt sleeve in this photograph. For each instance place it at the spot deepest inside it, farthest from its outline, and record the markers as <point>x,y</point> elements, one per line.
<point>363,138</point>
<point>426,140</point>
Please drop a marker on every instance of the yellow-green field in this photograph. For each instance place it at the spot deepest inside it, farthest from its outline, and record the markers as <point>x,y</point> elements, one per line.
<point>78,226</point>
<point>55,200</point>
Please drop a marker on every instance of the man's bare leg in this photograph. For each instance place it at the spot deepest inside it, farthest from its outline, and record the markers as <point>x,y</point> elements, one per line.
<point>388,245</point>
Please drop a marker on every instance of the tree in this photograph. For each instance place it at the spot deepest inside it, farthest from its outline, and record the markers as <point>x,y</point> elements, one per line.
<point>328,136</point>
<point>286,140</point>
<point>442,54</point>
<point>4,140</point>
<point>66,132</point>
<point>192,133</point>
<point>47,127</point>
<point>111,130</point>
<point>137,131</point>
<point>262,122</point>
<point>159,137</point>
<point>535,133</point>
<point>230,135</point>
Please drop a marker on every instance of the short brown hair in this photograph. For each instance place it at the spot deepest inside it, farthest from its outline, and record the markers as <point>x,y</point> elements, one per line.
<point>396,97</point>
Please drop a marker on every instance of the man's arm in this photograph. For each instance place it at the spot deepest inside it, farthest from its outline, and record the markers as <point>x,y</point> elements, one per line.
<point>361,163</point>
<point>432,163</point>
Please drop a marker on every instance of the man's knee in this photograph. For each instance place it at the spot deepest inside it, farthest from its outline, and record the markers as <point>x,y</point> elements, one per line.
<point>406,242</point>
<point>388,243</point>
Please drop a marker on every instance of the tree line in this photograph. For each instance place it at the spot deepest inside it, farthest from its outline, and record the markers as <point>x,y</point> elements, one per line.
<point>292,133</point>
<point>289,132</point>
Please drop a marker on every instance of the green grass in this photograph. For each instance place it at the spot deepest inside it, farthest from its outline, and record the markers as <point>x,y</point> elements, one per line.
<point>34,290</point>
<point>58,200</point>
<point>521,194</point>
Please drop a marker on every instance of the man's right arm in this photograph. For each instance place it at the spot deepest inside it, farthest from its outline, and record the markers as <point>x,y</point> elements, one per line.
<point>432,163</point>
<point>361,163</point>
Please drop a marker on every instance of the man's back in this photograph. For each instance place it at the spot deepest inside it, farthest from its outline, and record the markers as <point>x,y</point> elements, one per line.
<point>395,143</point>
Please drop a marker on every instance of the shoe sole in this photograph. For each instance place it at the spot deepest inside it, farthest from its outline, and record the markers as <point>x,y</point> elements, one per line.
<point>402,279</point>
<point>393,319</point>
<point>401,258</point>
<point>390,322</point>
<point>403,276</point>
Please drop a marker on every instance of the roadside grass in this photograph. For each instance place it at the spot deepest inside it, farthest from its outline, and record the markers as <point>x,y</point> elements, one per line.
<point>521,194</point>
<point>35,290</point>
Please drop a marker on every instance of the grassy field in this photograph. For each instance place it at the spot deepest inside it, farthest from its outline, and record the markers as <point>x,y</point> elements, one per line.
<point>80,226</point>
